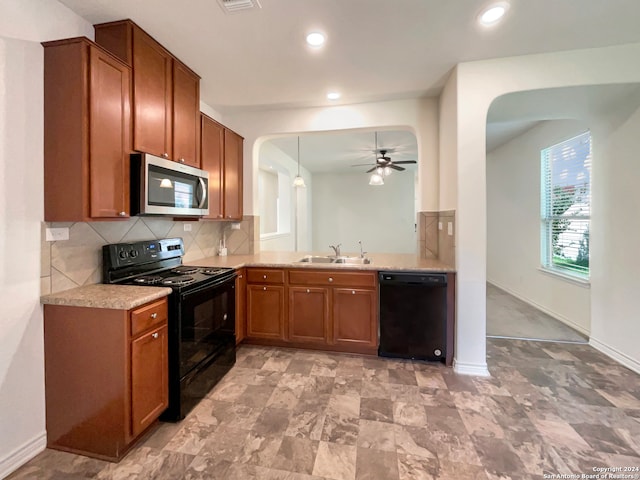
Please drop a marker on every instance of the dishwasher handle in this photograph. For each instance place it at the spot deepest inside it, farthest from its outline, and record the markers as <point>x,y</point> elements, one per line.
<point>413,278</point>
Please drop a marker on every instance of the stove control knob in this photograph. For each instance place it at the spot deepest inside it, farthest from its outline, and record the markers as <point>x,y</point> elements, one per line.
<point>123,254</point>
<point>133,253</point>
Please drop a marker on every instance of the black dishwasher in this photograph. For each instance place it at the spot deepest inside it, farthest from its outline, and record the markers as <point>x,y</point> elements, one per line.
<point>413,315</point>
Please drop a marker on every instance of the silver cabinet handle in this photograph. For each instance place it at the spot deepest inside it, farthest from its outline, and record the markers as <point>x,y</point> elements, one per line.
<point>353,292</point>
<point>182,160</point>
<point>165,155</point>
<point>220,216</point>
<point>264,276</point>
<point>154,315</point>
<point>229,216</point>
<point>264,288</point>
<point>154,335</point>
<point>239,276</point>
<point>123,214</point>
<point>330,279</point>
<point>307,290</point>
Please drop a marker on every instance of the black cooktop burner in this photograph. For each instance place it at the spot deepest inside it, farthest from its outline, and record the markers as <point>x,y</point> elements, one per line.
<point>181,280</point>
<point>213,270</point>
<point>148,279</point>
<point>185,270</point>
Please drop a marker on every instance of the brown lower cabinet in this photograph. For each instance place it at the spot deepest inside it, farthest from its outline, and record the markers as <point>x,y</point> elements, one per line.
<point>326,309</point>
<point>265,311</point>
<point>241,304</point>
<point>106,376</point>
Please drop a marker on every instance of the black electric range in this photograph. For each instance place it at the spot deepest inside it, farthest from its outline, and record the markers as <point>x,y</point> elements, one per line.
<point>201,314</point>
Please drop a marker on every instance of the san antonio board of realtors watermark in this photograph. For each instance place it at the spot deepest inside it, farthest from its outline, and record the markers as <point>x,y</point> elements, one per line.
<point>600,473</point>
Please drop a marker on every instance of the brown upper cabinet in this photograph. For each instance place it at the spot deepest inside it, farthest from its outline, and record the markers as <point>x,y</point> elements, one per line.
<point>166,93</point>
<point>87,132</point>
<point>221,156</point>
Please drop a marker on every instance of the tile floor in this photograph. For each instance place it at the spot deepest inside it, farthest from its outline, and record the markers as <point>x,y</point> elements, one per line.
<point>508,316</point>
<point>291,414</point>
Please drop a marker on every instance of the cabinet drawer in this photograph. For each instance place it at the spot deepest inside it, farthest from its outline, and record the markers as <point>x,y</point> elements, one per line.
<point>264,275</point>
<point>332,277</point>
<point>147,316</point>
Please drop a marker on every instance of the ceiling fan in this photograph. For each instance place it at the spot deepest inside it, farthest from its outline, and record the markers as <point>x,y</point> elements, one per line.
<point>383,162</point>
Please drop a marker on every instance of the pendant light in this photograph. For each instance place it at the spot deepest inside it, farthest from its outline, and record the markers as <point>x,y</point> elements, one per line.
<point>376,177</point>
<point>298,182</point>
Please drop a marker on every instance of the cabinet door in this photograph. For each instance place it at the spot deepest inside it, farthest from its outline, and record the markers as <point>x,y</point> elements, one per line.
<point>232,175</point>
<point>109,136</point>
<point>186,115</point>
<point>149,378</point>
<point>241,305</point>
<point>308,318</point>
<point>211,156</point>
<point>152,96</point>
<point>265,311</point>
<point>354,317</point>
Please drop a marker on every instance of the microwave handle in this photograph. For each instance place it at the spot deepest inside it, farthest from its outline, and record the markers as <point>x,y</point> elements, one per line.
<point>203,187</point>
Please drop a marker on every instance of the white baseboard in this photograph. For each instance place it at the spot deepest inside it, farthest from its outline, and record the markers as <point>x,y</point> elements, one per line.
<point>22,454</point>
<point>617,355</point>
<point>551,313</point>
<point>475,369</point>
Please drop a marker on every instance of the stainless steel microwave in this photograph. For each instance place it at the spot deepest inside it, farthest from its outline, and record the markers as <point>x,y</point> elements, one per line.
<point>162,187</point>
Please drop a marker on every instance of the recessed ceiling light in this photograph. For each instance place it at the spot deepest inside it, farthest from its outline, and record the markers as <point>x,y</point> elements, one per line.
<point>333,95</point>
<point>493,13</point>
<point>315,39</point>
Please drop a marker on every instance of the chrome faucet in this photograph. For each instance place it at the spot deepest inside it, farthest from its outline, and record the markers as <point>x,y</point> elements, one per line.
<point>362,254</point>
<point>336,249</point>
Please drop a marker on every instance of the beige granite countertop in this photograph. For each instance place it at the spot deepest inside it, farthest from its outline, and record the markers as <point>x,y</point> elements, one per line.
<point>379,261</point>
<point>120,297</point>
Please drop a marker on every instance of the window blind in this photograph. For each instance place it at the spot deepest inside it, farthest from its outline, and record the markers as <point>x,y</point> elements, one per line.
<point>566,205</point>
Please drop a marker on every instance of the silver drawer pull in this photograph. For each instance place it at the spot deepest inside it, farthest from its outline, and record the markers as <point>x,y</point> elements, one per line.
<point>154,315</point>
<point>239,276</point>
<point>155,335</point>
<point>165,155</point>
<point>353,292</point>
<point>307,290</point>
<point>330,279</point>
<point>122,214</point>
<point>264,288</point>
<point>182,160</point>
<point>264,276</point>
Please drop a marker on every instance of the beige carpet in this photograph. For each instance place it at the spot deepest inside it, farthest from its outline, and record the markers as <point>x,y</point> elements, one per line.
<point>510,317</point>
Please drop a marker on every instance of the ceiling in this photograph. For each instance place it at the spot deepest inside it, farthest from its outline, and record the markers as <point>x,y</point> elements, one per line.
<point>375,50</point>
<point>513,114</point>
<point>336,152</point>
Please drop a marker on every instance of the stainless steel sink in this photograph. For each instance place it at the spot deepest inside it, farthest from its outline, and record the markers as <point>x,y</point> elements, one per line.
<point>354,260</point>
<point>332,259</point>
<point>317,259</point>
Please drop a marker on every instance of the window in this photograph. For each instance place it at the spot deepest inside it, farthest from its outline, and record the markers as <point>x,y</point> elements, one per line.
<point>273,202</point>
<point>566,206</point>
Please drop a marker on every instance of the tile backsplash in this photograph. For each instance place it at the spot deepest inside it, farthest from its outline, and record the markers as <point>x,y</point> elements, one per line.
<point>78,261</point>
<point>435,242</point>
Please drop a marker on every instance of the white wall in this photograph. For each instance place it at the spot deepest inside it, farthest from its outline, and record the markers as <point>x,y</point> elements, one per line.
<point>615,236</point>
<point>299,198</point>
<point>418,115</point>
<point>22,416</point>
<point>513,226</point>
<point>347,209</point>
<point>478,84</point>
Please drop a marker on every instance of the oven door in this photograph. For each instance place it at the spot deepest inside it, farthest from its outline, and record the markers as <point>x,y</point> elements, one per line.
<point>207,323</point>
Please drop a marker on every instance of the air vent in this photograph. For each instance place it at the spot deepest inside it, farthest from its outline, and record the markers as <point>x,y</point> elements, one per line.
<point>236,6</point>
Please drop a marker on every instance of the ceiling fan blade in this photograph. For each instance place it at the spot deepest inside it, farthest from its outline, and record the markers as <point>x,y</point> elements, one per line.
<point>372,169</point>
<point>405,161</point>
<point>400,169</point>
<point>362,164</point>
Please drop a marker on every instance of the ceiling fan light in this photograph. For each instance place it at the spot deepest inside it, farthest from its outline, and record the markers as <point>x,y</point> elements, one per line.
<point>387,171</point>
<point>376,179</point>
<point>379,171</point>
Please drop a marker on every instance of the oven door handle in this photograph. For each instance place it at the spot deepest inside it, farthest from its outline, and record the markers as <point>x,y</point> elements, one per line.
<point>229,279</point>
<point>203,188</point>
